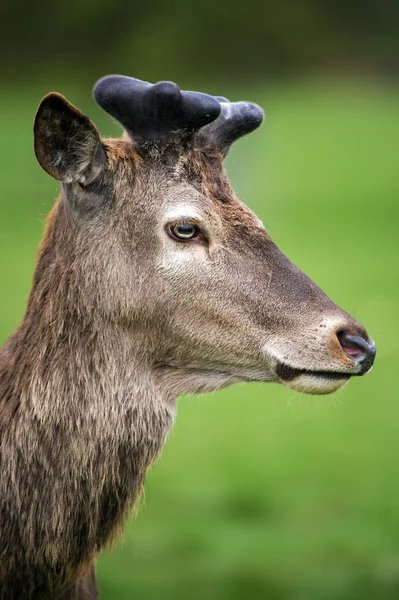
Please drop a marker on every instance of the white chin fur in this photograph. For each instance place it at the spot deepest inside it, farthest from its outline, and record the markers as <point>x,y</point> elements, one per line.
<point>316,384</point>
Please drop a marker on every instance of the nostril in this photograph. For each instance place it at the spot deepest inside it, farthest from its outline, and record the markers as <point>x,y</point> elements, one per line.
<point>350,345</point>
<point>358,349</point>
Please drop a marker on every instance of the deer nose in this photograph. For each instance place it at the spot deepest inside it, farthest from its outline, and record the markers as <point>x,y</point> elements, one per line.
<point>358,349</point>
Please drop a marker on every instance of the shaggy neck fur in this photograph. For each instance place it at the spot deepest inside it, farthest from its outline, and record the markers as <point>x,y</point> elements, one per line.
<point>81,420</point>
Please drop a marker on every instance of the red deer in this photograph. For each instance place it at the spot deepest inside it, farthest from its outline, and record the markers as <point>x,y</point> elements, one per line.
<point>153,280</point>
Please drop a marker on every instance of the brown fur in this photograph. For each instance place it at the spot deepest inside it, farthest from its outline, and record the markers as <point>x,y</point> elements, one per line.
<point>121,320</point>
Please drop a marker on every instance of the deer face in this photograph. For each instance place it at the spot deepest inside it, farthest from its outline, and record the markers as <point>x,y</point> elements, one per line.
<point>181,263</point>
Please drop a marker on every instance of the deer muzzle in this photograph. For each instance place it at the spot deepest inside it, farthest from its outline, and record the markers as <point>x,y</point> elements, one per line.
<point>343,353</point>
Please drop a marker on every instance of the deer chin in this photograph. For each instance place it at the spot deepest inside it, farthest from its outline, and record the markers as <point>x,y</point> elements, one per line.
<point>311,382</point>
<point>318,384</point>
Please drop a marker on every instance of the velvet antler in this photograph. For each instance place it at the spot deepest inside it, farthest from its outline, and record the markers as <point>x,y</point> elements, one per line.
<point>236,119</point>
<point>154,112</point>
<point>161,111</point>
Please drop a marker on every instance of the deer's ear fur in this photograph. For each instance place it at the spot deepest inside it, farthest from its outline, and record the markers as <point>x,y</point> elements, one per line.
<point>67,144</point>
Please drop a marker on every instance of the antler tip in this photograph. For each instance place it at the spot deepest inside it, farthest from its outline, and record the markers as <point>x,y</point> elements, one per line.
<point>166,89</point>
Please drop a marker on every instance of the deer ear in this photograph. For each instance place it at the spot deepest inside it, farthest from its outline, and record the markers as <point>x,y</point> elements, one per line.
<point>67,144</point>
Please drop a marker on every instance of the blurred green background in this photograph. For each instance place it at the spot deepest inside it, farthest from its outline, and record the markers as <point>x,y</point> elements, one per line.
<point>260,492</point>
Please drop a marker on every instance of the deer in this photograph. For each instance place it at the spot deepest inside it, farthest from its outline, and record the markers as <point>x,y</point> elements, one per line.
<point>152,281</point>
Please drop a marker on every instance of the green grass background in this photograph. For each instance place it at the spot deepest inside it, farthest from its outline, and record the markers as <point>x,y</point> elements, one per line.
<point>262,492</point>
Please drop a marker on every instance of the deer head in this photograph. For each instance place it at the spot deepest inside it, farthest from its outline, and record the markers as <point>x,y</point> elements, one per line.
<point>158,247</point>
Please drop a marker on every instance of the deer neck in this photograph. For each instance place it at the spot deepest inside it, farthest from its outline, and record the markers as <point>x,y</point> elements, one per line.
<point>85,418</point>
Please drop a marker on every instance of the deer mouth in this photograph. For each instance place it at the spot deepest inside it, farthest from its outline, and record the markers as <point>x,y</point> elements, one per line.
<point>312,382</point>
<point>287,373</point>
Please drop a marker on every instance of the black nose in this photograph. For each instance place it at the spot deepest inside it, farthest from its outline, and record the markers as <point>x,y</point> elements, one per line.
<point>358,349</point>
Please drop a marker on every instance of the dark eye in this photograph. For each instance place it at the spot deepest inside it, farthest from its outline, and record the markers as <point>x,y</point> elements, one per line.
<point>183,231</point>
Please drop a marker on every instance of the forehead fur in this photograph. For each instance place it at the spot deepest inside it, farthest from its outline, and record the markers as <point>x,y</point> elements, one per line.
<point>199,169</point>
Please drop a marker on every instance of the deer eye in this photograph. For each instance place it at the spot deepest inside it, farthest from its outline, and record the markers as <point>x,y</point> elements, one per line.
<point>184,232</point>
